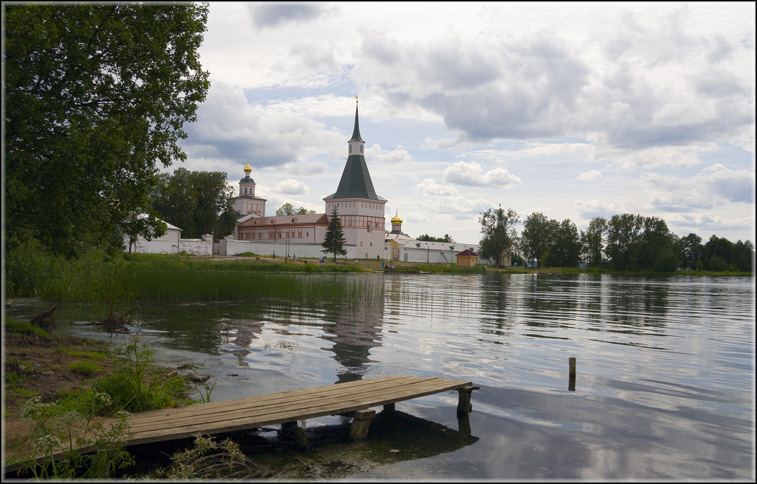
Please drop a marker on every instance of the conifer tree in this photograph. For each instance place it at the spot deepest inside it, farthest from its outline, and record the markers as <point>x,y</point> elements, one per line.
<point>333,243</point>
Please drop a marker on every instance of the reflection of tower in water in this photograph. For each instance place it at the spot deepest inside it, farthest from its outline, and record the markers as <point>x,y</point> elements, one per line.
<point>247,330</point>
<point>356,328</point>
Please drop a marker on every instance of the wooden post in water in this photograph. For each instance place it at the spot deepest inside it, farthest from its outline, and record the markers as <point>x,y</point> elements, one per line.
<point>464,406</point>
<point>571,374</point>
<point>361,420</point>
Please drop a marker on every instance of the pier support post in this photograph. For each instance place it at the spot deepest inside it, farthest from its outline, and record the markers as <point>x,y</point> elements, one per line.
<point>571,374</point>
<point>464,406</point>
<point>291,429</point>
<point>463,424</point>
<point>361,420</point>
<point>389,408</point>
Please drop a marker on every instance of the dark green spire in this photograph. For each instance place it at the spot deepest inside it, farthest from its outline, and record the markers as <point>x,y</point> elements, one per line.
<point>356,131</point>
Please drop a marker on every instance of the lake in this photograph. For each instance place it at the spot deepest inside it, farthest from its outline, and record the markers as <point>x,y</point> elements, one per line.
<point>664,386</point>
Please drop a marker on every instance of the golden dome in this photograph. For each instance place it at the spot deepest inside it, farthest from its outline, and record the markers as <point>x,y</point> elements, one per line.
<point>396,219</point>
<point>248,168</point>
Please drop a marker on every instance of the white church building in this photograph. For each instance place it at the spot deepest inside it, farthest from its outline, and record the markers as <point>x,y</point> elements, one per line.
<point>360,210</point>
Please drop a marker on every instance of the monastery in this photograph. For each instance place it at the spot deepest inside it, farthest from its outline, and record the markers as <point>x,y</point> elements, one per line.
<point>360,209</point>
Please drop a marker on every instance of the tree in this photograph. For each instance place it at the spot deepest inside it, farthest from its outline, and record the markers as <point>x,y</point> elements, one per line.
<point>623,241</point>
<point>333,242</point>
<point>717,253</point>
<point>656,240</point>
<point>592,241</point>
<point>288,209</point>
<point>565,250</point>
<point>499,234</point>
<point>429,238</point>
<point>198,202</point>
<point>743,256</point>
<point>689,250</point>
<point>536,237</point>
<point>96,95</point>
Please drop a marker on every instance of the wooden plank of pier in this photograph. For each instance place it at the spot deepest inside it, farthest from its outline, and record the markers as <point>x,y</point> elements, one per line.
<point>279,408</point>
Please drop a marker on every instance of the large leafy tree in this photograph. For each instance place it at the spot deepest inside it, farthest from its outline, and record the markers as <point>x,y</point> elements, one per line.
<point>565,250</point>
<point>656,242</point>
<point>592,241</point>
<point>536,237</point>
<point>333,242</point>
<point>499,235</point>
<point>198,202</point>
<point>288,209</point>
<point>624,234</point>
<point>96,95</point>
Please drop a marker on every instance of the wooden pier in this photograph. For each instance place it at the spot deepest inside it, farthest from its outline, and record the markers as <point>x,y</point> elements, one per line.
<point>353,399</point>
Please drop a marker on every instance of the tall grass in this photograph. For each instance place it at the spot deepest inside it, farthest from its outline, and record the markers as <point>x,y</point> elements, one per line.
<point>174,279</point>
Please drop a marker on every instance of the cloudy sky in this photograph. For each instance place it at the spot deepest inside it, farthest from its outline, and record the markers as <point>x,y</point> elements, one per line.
<point>573,110</point>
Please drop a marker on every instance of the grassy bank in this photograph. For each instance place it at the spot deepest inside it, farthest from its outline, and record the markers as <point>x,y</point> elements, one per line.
<point>62,393</point>
<point>163,278</point>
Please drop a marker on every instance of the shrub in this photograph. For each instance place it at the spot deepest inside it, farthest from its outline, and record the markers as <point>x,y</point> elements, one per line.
<point>131,388</point>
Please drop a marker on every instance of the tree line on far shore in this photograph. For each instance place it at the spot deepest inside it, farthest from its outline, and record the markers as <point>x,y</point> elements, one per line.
<point>622,242</point>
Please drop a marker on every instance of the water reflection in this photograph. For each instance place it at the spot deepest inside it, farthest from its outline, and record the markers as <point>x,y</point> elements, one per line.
<point>354,331</point>
<point>665,379</point>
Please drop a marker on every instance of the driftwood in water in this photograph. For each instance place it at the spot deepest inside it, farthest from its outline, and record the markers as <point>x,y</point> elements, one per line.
<point>116,323</point>
<point>45,319</point>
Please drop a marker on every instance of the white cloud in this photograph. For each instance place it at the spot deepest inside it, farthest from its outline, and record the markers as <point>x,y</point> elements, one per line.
<point>591,175</point>
<point>596,208</point>
<point>292,187</point>
<point>715,185</point>
<point>472,174</point>
<point>429,187</point>
<point>379,156</point>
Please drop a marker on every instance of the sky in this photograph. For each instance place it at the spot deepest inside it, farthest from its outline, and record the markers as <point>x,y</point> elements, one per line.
<point>572,110</point>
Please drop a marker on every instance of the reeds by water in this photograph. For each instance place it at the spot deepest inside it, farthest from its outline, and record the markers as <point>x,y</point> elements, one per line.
<point>171,279</point>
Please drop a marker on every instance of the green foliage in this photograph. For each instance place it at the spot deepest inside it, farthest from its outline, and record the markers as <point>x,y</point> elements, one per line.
<point>333,242</point>
<point>499,235</point>
<point>57,429</point>
<point>206,392</point>
<point>556,244</point>
<point>717,264</point>
<point>96,95</point>
<point>28,266</point>
<point>288,209</point>
<point>25,327</point>
<point>131,387</point>
<point>198,202</point>
<point>666,262</point>
<point>592,242</point>
<point>86,368</point>
<point>428,238</point>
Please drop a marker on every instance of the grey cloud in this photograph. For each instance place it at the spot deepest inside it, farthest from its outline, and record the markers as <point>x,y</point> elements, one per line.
<point>734,186</point>
<point>484,91</point>
<point>596,208</point>
<point>714,186</point>
<point>275,13</point>
<point>721,84</point>
<point>719,50</point>
<point>227,128</point>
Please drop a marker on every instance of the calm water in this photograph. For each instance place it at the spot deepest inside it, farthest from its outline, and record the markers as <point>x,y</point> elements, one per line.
<point>665,370</point>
